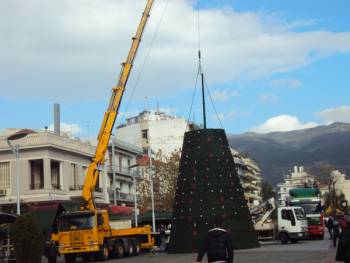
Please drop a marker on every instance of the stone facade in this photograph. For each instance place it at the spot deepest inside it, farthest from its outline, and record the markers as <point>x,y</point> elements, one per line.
<point>52,167</point>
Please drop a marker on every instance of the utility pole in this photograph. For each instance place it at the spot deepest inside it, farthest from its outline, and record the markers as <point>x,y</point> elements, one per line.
<point>113,174</point>
<point>203,91</point>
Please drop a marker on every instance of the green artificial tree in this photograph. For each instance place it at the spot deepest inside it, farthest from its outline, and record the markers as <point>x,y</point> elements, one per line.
<point>207,187</point>
<point>27,240</point>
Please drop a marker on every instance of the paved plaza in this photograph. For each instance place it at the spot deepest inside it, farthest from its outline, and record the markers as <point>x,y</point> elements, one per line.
<point>314,251</point>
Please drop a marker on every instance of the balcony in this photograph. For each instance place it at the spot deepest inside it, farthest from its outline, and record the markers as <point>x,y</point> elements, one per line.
<point>80,188</point>
<point>251,186</point>
<point>122,197</point>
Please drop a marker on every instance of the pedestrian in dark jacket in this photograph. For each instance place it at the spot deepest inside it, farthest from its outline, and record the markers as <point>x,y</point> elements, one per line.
<point>336,232</point>
<point>343,251</point>
<point>218,245</point>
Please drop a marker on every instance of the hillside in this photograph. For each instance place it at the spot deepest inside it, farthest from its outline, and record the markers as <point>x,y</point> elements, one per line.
<point>317,149</point>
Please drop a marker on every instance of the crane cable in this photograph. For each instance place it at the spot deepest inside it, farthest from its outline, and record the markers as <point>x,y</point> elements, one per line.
<point>138,77</point>
<point>200,71</point>
<point>199,68</point>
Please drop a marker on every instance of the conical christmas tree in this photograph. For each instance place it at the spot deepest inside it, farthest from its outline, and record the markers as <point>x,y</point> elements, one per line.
<point>208,186</point>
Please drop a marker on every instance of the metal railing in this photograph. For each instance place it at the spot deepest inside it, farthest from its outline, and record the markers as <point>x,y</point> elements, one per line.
<point>124,170</point>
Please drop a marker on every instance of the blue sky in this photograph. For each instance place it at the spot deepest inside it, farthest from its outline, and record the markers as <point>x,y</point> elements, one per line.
<point>270,65</point>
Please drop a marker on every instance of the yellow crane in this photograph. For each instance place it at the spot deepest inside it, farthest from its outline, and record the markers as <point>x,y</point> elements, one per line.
<point>87,233</point>
<point>111,115</point>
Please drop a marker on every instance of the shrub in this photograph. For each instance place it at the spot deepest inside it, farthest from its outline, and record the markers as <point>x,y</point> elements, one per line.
<point>27,240</point>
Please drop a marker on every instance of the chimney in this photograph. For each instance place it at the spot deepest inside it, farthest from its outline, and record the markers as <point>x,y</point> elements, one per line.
<point>57,119</point>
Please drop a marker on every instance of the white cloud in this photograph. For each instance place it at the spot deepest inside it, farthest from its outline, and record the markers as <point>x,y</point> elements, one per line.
<point>66,49</point>
<point>286,83</point>
<point>338,114</point>
<point>282,123</point>
<point>268,98</point>
<point>71,129</point>
<point>223,95</point>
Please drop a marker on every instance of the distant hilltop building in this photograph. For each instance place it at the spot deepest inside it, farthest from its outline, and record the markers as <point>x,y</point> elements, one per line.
<point>299,178</point>
<point>250,177</point>
<point>156,130</point>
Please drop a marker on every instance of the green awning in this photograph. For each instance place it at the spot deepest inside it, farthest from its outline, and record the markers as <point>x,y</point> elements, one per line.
<point>159,216</point>
<point>304,192</point>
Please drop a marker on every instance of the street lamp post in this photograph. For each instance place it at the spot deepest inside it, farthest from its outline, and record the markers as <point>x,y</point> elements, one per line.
<point>135,198</point>
<point>152,190</point>
<point>15,149</point>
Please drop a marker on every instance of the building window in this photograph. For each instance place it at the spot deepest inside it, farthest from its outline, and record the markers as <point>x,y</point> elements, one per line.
<point>120,163</point>
<point>36,174</point>
<point>145,135</point>
<point>74,176</point>
<point>55,174</point>
<point>4,176</point>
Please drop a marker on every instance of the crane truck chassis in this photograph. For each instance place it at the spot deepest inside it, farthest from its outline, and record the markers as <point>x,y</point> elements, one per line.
<point>78,232</point>
<point>87,233</point>
<point>282,223</point>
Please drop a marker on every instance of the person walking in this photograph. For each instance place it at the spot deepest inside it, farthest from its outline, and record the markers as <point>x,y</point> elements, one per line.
<point>217,245</point>
<point>336,232</point>
<point>343,250</point>
<point>329,226</point>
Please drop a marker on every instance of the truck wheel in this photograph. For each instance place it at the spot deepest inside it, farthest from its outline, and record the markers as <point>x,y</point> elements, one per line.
<point>86,257</point>
<point>52,259</point>
<point>136,247</point>
<point>284,238</point>
<point>104,253</point>
<point>294,240</point>
<point>130,249</point>
<point>118,249</point>
<point>70,258</point>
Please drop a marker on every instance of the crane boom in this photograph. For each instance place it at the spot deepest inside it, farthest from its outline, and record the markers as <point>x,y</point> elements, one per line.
<point>111,115</point>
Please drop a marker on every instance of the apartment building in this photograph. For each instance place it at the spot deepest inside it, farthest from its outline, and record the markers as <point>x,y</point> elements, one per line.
<point>156,130</point>
<point>341,184</point>
<point>123,171</point>
<point>250,177</point>
<point>52,168</point>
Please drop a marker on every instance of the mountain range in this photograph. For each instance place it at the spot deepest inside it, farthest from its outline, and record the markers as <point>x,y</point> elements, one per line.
<point>319,149</point>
